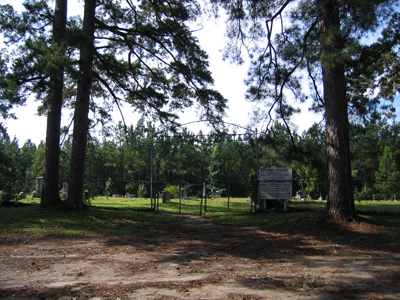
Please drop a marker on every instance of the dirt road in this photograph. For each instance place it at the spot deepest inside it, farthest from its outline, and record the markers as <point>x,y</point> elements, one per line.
<point>195,259</point>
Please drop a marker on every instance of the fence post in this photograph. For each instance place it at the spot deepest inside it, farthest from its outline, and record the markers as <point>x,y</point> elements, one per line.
<point>204,196</point>
<point>205,199</point>
<point>180,199</point>
<point>157,203</point>
<point>151,169</point>
<point>229,193</point>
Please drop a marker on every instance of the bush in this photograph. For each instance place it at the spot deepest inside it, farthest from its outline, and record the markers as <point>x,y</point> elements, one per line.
<point>142,191</point>
<point>109,190</point>
<point>8,199</point>
<point>365,194</point>
<point>64,195</point>
<point>89,193</point>
<point>174,190</point>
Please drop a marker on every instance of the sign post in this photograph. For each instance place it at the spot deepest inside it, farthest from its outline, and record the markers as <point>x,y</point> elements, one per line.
<point>275,184</point>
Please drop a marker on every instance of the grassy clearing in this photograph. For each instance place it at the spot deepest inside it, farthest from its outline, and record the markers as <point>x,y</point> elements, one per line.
<point>361,206</point>
<point>127,203</point>
<point>373,230</point>
<point>379,222</point>
<point>129,215</point>
<point>378,206</point>
<point>33,219</point>
<point>272,220</point>
<point>194,206</point>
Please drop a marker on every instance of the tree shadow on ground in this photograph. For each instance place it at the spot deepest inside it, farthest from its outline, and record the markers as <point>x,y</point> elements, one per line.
<point>317,255</point>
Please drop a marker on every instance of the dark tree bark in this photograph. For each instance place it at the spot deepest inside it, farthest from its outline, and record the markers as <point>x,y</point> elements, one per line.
<point>81,118</point>
<point>51,174</point>
<point>340,200</point>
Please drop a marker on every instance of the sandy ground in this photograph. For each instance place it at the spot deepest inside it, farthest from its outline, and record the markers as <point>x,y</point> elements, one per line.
<point>195,259</point>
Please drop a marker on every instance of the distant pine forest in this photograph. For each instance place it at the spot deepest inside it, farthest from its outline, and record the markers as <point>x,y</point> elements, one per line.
<point>227,162</point>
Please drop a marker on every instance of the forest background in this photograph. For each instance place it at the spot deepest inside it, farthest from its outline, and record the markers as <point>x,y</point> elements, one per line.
<point>123,164</point>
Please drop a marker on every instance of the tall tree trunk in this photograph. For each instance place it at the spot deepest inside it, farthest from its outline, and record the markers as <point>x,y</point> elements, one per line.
<point>81,118</point>
<point>51,173</point>
<point>340,200</point>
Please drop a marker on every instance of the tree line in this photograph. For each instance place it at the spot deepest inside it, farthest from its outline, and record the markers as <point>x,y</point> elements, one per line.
<point>225,161</point>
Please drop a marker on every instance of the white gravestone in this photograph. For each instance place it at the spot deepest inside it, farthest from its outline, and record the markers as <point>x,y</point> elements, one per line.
<point>64,188</point>
<point>184,194</point>
<point>28,180</point>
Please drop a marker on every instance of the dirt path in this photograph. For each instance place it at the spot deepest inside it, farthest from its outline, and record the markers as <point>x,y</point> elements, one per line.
<point>194,259</point>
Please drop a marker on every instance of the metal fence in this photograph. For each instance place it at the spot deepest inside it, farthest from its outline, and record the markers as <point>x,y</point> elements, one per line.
<point>198,198</point>
<point>184,198</point>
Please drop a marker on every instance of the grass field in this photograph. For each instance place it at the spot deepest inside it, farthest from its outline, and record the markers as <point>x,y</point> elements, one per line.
<point>361,206</point>
<point>198,206</point>
<point>308,218</point>
<point>184,206</point>
<point>104,217</point>
<point>128,215</point>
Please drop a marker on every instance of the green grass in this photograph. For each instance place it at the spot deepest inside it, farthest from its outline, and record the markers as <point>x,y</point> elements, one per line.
<point>36,220</point>
<point>129,215</point>
<point>193,206</point>
<point>307,217</point>
<point>376,230</point>
<point>136,203</point>
<point>231,204</point>
<point>361,206</point>
<point>183,206</point>
<point>271,220</point>
<point>378,206</point>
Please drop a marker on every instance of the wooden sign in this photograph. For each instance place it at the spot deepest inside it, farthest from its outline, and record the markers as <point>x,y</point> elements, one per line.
<point>275,183</point>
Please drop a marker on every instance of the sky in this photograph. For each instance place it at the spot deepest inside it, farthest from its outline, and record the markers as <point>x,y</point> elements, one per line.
<point>229,81</point>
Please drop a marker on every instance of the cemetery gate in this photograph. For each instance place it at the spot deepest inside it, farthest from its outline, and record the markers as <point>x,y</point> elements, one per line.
<point>197,199</point>
<point>211,195</point>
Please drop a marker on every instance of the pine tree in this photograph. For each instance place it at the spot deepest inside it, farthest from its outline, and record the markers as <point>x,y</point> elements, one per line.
<point>317,39</point>
<point>51,172</point>
<point>388,176</point>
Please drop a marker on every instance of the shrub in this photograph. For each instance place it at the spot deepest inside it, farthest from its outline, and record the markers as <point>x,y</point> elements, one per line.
<point>174,190</point>
<point>142,191</point>
<point>8,199</point>
<point>89,193</point>
<point>109,189</point>
<point>365,194</point>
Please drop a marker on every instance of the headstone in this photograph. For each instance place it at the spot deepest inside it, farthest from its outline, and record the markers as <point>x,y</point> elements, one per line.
<point>131,196</point>
<point>117,195</point>
<point>28,180</point>
<point>127,195</point>
<point>64,188</point>
<point>166,196</point>
<point>39,183</point>
<point>218,194</point>
<point>184,194</point>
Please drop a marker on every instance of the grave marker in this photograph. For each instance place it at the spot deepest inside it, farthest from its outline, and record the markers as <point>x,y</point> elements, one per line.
<point>166,197</point>
<point>184,194</point>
